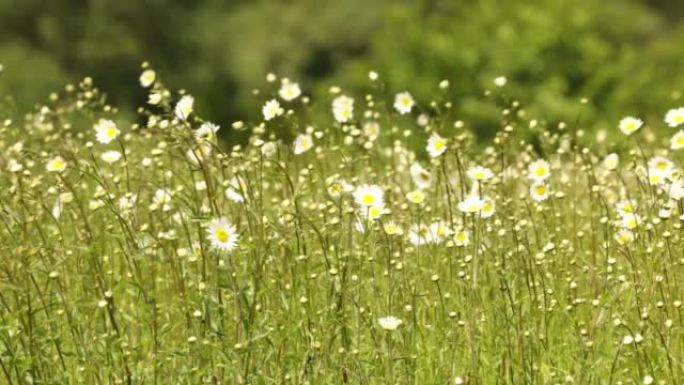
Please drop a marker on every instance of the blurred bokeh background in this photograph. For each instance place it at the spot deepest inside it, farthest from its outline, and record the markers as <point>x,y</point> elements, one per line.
<point>625,56</point>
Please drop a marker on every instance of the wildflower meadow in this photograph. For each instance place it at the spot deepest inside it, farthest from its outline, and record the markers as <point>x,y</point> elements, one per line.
<point>358,238</point>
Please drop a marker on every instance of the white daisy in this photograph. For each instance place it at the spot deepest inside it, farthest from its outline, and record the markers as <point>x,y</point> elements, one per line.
<point>389,323</point>
<point>223,235</point>
<point>675,117</point>
<point>630,125</point>
<point>436,145</point>
<point>677,141</point>
<point>369,195</point>
<point>111,156</point>
<point>147,77</point>
<point>272,109</point>
<point>539,170</point>
<point>289,91</point>
<point>106,131</point>
<point>403,102</point>
<point>479,173</point>
<point>303,143</point>
<point>539,192</point>
<point>471,204</point>
<point>343,108</point>
<point>421,177</point>
<point>56,164</point>
<point>184,107</point>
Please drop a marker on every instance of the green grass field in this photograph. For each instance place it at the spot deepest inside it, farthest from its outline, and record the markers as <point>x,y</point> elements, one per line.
<point>379,244</point>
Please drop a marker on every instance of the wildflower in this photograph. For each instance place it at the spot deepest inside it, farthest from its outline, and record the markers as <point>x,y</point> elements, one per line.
<point>154,98</point>
<point>391,228</point>
<point>303,143</point>
<point>235,190</point>
<point>389,323</point>
<point>539,170</point>
<point>436,145</point>
<point>500,81</point>
<point>420,235</point>
<point>371,130</point>
<point>462,238</point>
<point>198,153</point>
<point>675,117</point>
<point>106,131</point>
<point>222,234</point>
<point>488,207</point>
<point>631,221</point>
<point>272,109</point>
<point>184,107</point>
<point>56,164</point>
<point>676,190</point>
<point>372,213</point>
<point>147,77</point>
<point>416,196</point>
<point>611,161</point>
<point>479,173</point>
<point>624,236</point>
<point>539,192</point>
<point>338,187</point>
<point>421,177</point>
<point>369,195</point>
<point>289,91</point>
<point>403,102</point>
<point>471,204</point>
<point>677,141</point>
<point>162,197</point>
<point>206,132</point>
<point>630,125</point>
<point>439,231</point>
<point>110,156</point>
<point>343,108</point>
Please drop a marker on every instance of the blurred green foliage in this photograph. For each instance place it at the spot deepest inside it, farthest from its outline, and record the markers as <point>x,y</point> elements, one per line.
<point>626,56</point>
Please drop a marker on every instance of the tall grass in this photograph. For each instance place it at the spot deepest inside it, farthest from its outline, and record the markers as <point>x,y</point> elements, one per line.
<point>383,247</point>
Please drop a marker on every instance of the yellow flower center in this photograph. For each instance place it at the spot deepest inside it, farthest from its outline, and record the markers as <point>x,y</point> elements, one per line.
<point>541,190</point>
<point>222,235</point>
<point>368,199</point>
<point>111,132</point>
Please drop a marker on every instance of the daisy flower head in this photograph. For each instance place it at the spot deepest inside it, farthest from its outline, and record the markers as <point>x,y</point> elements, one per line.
<point>271,109</point>
<point>611,161</point>
<point>56,164</point>
<point>372,213</point>
<point>222,234</point>
<point>471,204</point>
<point>147,78</point>
<point>436,145</point>
<point>488,207</point>
<point>420,176</point>
<point>389,323</point>
<point>110,156</point>
<point>207,131</point>
<point>184,107</point>
<point>236,190</point>
<point>420,235</point>
<point>675,117</point>
<point>371,130</point>
<point>303,143</point>
<point>343,108</point>
<point>677,141</point>
<point>626,207</point>
<point>289,91</point>
<point>624,237</point>
<point>439,231</point>
<point>479,173</point>
<point>403,102</point>
<point>198,153</point>
<point>162,198</point>
<point>392,228</point>
<point>630,221</point>
<point>106,131</point>
<point>416,196</point>
<point>369,195</point>
<point>629,125</point>
<point>539,170</point>
<point>461,238</point>
<point>539,192</point>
